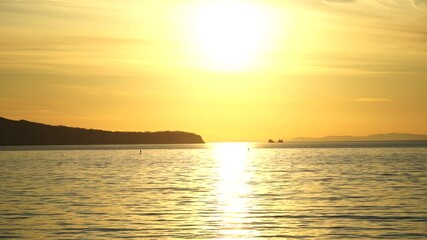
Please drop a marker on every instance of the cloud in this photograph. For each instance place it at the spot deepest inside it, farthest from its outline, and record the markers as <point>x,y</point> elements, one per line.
<point>369,36</point>
<point>371,100</point>
<point>63,43</point>
<point>362,8</point>
<point>338,1</point>
<point>51,3</point>
<point>381,62</point>
<point>420,2</point>
<point>94,90</point>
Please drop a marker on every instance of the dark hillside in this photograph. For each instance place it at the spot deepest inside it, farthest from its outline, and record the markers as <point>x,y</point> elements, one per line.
<point>29,133</point>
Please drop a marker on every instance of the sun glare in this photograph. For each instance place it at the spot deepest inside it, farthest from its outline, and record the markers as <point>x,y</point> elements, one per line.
<point>230,35</point>
<point>233,190</point>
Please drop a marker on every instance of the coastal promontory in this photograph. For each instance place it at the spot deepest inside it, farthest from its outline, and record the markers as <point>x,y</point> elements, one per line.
<point>15,133</point>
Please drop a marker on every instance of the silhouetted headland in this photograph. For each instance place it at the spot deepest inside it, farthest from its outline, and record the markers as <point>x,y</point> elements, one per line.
<point>15,133</point>
<point>375,137</point>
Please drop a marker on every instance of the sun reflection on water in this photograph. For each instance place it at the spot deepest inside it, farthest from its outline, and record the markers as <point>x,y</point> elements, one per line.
<point>233,189</point>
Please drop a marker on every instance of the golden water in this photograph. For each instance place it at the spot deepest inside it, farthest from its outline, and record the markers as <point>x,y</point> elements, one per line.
<point>222,191</point>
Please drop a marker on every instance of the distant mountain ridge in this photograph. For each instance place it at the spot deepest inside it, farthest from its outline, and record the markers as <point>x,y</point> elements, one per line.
<point>15,133</point>
<point>374,137</point>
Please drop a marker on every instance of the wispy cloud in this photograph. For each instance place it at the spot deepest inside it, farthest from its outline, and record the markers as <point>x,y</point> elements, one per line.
<point>421,3</point>
<point>371,100</point>
<point>369,36</point>
<point>93,90</point>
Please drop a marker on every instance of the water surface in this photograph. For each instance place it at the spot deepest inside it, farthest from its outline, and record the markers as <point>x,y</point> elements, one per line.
<point>219,191</point>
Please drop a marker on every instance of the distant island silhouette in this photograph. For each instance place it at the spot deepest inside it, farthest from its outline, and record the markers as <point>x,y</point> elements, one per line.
<point>16,133</point>
<point>375,137</point>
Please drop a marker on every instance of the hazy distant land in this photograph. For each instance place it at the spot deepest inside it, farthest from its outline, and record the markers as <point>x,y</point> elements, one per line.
<point>375,137</point>
<point>15,133</point>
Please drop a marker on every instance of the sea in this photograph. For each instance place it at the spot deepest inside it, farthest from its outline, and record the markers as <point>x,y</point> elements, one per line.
<point>328,190</point>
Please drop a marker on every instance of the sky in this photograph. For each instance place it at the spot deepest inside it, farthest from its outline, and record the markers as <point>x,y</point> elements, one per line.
<point>229,70</point>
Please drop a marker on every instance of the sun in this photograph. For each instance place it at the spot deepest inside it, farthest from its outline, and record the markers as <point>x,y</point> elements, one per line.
<point>229,35</point>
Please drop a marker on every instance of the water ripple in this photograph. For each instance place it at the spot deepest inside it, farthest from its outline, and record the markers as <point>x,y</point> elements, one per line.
<point>223,192</point>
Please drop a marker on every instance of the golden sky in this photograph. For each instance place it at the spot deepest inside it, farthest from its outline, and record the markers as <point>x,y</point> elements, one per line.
<point>229,70</point>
